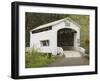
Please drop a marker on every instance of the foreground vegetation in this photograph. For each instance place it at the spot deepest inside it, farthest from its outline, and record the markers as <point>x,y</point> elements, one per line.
<point>36,59</point>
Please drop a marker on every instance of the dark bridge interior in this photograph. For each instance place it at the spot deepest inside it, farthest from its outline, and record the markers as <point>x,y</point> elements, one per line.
<point>65,38</point>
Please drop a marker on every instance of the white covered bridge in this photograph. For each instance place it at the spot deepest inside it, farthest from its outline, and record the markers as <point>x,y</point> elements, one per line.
<point>58,37</point>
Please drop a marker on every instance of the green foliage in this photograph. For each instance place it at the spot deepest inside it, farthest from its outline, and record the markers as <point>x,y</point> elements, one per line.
<point>87,46</point>
<point>37,59</point>
<point>83,21</point>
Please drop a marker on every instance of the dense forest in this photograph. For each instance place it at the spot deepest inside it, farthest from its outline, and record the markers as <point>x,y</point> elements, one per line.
<point>33,20</point>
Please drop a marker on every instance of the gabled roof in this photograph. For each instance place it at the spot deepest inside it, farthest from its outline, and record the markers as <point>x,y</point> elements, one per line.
<point>55,22</point>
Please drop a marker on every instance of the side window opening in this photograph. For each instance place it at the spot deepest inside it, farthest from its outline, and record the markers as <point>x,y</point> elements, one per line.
<point>44,42</point>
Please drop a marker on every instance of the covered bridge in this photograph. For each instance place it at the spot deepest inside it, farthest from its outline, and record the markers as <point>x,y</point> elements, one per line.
<point>56,37</point>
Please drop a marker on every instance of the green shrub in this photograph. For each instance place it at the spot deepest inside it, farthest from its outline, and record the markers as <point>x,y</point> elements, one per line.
<point>87,46</point>
<point>37,59</point>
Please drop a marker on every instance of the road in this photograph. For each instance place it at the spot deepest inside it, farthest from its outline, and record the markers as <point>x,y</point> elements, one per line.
<point>71,60</point>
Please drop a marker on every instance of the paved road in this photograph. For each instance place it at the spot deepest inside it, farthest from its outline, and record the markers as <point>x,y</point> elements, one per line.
<point>73,61</point>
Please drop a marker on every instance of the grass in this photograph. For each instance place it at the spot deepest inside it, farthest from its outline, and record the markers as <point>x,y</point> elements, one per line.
<point>36,59</point>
